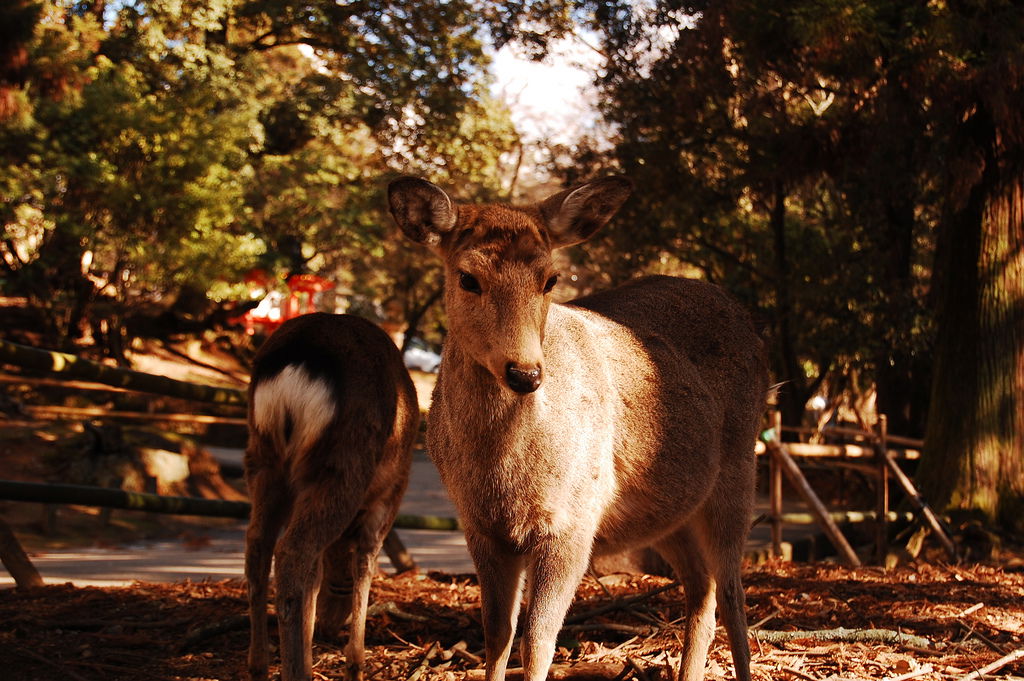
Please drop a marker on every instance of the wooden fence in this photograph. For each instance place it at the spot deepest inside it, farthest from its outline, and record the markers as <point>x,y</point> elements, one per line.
<point>82,374</point>
<point>874,454</point>
<point>871,451</point>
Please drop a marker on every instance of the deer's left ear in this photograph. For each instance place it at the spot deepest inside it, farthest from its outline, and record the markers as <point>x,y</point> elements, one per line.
<point>575,214</point>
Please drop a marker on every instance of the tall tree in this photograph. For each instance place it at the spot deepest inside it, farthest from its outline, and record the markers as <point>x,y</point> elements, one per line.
<point>912,104</point>
<point>737,119</point>
<point>974,453</point>
<point>165,145</point>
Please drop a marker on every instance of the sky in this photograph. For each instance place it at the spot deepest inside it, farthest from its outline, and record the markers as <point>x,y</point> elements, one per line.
<point>552,99</point>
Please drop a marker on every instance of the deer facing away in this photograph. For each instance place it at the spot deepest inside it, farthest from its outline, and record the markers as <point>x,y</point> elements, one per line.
<point>332,419</point>
<point>620,419</point>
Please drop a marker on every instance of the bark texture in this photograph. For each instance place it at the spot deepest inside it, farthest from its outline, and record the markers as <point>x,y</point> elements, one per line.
<point>974,450</point>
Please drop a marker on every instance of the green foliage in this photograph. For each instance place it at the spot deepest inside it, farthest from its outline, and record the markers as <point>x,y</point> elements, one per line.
<point>138,168</point>
<point>166,144</point>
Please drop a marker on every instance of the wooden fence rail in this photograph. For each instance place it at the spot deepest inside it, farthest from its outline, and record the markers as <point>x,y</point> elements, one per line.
<point>71,366</point>
<point>78,413</point>
<point>106,497</point>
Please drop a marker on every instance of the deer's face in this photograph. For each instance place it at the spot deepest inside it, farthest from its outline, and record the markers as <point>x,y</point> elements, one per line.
<point>498,267</point>
<point>499,278</point>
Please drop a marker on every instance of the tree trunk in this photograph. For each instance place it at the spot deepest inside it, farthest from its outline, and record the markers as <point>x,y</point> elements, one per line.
<point>415,315</point>
<point>793,394</point>
<point>974,449</point>
<point>897,373</point>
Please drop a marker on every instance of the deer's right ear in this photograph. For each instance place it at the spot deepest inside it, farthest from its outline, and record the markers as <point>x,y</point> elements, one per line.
<point>422,210</point>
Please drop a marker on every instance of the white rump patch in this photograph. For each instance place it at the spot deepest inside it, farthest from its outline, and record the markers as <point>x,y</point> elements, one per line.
<point>294,393</point>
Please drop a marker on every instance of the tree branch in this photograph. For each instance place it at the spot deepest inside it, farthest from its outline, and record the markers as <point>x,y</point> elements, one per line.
<point>845,635</point>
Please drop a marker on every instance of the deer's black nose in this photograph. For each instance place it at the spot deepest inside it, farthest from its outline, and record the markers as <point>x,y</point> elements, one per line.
<point>522,380</point>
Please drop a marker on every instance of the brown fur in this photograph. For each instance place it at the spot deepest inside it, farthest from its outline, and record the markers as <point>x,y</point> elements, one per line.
<point>641,432</point>
<point>332,495</point>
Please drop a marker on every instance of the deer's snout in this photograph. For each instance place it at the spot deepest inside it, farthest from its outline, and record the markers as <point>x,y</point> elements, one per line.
<point>522,379</point>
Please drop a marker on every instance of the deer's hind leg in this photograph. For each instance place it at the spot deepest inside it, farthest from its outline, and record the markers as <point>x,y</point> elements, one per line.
<point>707,556</point>
<point>269,510</point>
<point>373,527</point>
<point>726,532</point>
<point>684,551</point>
<point>318,513</point>
<point>726,524</point>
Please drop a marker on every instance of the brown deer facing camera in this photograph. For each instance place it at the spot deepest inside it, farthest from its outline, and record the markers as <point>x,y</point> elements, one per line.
<point>625,418</point>
<point>332,419</point>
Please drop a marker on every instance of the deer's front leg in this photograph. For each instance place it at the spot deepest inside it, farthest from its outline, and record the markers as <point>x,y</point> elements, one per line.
<point>555,569</point>
<point>501,584</point>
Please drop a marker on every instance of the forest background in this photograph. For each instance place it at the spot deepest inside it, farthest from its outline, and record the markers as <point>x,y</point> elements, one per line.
<point>853,171</point>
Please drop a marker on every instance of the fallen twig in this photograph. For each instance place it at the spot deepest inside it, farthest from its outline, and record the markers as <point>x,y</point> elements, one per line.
<point>973,609</point>
<point>408,644</point>
<point>629,608</point>
<point>425,662</point>
<point>843,634</point>
<point>998,664</point>
<point>761,622</point>
<point>621,645</point>
<point>460,651</point>
<point>641,673</point>
<point>926,669</point>
<point>972,631</point>
<point>390,608</point>
<point>796,672</point>
<point>610,626</point>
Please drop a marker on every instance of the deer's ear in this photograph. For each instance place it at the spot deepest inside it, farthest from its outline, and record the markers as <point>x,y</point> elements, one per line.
<point>422,210</point>
<point>575,214</point>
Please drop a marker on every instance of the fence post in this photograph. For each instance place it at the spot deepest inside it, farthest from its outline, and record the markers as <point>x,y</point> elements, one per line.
<point>775,487</point>
<point>917,501</point>
<point>16,560</point>
<point>821,513</point>
<point>882,499</point>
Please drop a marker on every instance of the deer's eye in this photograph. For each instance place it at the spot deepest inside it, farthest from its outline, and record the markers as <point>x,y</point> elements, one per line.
<point>550,283</point>
<point>469,283</point>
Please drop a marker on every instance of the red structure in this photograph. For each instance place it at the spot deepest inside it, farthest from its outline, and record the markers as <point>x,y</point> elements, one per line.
<point>276,307</point>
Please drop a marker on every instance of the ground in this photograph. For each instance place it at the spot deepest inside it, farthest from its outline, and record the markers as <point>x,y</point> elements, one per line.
<point>968,617</point>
